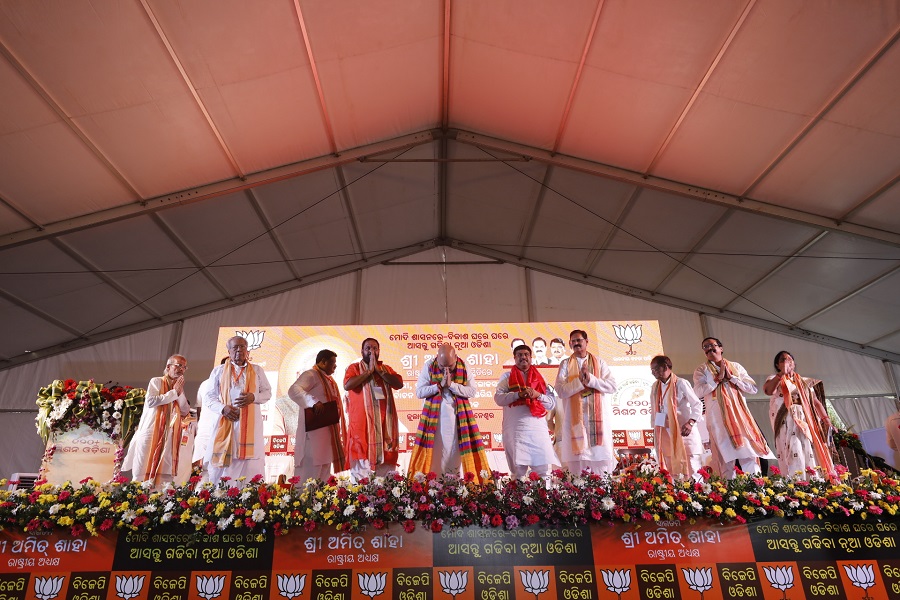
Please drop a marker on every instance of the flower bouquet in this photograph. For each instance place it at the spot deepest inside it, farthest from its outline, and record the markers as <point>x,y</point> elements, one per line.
<point>65,405</point>
<point>86,427</point>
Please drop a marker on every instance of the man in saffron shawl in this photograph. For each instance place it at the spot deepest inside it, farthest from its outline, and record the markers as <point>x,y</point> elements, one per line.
<point>153,453</point>
<point>448,436</point>
<point>239,388</point>
<point>733,432</point>
<point>317,452</point>
<point>676,410</point>
<point>583,415</point>
<point>373,436</point>
<point>526,399</point>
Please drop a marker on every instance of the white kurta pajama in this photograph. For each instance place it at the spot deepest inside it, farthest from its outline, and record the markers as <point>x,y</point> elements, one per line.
<point>314,454</point>
<point>140,447</point>
<point>251,466</point>
<point>526,438</point>
<point>602,458</point>
<point>206,425</point>
<point>705,387</point>
<point>445,456</point>
<point>687,407</point>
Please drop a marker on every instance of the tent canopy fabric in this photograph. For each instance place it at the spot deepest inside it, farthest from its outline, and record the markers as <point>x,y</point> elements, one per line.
<point>161,162</point>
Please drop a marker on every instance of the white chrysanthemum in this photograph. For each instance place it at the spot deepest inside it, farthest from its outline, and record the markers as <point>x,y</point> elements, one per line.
<point>258,515</point>
<point>317,506</point>
<point>607,503</point>
<point>409,512</point>
<point>527,500</point>
<point>147,485</point>
<point>349,510</point>
<point>197,520</point>
<point>150,508</point>
<point>54,509</point>
<point>117,415</point>
<point>284,501</point>
<point>397,492</point>
<point>128,516</point>
<point>219,492</point>
<point>875,496</point>
<point>169,506</point>
<point>732,498</point>
<point>119,404</point>
<point>794,504</point>
<point>664,506</point>
<point>369,511</point>
<point>166,517</point>
<point>696,505</point>
<point>462,491</point>
<point>245,496</point>
<point>432,492</point>
<point>379,481</point>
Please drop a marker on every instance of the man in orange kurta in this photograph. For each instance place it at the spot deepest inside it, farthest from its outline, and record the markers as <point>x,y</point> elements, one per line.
<point>372,426</point>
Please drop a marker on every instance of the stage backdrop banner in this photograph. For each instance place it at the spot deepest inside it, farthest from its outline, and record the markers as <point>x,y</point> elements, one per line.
<point>486,348</point>
<point>772,559</point>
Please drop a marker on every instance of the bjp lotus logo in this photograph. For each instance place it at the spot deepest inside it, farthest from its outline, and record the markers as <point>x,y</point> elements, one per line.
<point>373,584</point>
<point>628,335</point>
<point>254,338</point>
<point>47,588</point>
<point>780,578</point>
<point>128,587</point>
<point>454,582</point>
<point>699,579</point>
<point>291,586</point>
<point>210,587</point>
<point>861,576</point>
<point>535,582</point>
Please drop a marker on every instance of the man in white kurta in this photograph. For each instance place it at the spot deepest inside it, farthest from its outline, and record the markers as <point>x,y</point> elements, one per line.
<point>154,451</point>
<point>205,427</point>
<point>243,403</point>
<point>525,402</point>
<point>314,451</point>
<point>445,456</point>
<point>721,384</point>
<point>676,411</point>
<point>582,379</point>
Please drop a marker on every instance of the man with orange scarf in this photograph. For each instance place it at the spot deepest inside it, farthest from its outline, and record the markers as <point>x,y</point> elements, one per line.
<point>523,394</point>
<point>448,436</point>
<point>373,429</point>
<point>800,421</point>
<point>153,453</point>
<point>676,410</point>
<point>583,416</point>
<point>239,388</point>
<point>319,451</point>
<point>733,432</point>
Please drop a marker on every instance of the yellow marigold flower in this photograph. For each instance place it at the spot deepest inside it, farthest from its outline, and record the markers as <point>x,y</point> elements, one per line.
<point>65,521</point>
<point>238,523</point>
<point>319,495</point>
<point>185,516</point>
<point>729,512</point>
<point>260,538</point>
<point>123,507</point>
<point>81,512</point>
<point>105,503</point>
<point>626,517</point>
<point>192,501</point>
<point>90,527</point>
<point>748,509</point>
<point>656,516</point>
<point>717,509</point>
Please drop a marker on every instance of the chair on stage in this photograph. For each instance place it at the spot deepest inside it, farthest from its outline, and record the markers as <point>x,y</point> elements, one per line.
<point>629,457</point>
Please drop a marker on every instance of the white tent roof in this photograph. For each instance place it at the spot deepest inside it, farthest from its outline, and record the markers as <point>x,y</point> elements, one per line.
<point>160,160</point>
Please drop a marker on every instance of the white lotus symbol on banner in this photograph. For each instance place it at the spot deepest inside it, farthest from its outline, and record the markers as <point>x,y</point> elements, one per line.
<point>862,576</point>
<point>454,582</point>
<point>291,586</point>
<point>628,335</point>
<point>254,338</point>
<point>780,578</point>
<point>210,587</point>
<point>372,584</point>
<point>699,579</point>
<point>617,581</point>
<point>129,587</point>
<point>47,588</point>
<point>535,582</point>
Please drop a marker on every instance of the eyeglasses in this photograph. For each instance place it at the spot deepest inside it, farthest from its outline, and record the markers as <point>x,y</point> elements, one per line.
<point>708,347</point>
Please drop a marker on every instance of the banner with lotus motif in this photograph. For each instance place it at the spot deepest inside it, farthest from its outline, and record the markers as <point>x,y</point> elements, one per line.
<point>771,559</point>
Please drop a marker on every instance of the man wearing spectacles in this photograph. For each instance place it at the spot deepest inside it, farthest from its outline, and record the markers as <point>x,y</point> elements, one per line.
<point>676,410</point>
<point>733,432</point>
<point>583,415</point>
<point>153,453</point>
<point>239,388</point>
